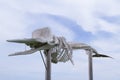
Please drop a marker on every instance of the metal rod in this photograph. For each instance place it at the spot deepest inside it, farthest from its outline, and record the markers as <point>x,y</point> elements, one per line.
<point>90,64</point>
<point>43,60</point>
<point>48,65</point>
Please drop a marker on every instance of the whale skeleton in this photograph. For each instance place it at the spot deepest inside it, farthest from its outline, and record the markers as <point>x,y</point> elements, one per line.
<point>55,49</point>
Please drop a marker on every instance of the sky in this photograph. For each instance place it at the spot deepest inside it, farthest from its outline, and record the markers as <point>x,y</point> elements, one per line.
<point>94,22</point>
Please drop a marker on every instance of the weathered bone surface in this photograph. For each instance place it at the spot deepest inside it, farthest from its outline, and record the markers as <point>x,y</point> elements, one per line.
<point>44,34</point>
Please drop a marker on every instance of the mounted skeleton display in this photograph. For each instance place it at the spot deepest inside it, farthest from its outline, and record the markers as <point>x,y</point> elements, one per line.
<point>55,49</point>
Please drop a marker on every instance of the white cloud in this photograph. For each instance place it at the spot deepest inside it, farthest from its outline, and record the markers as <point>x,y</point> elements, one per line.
<point>11,22</point>
<point>108,27</point>
<point>107,45</point>
<point>83,11</point>
<point>13,18</point>
<point>108,7</point>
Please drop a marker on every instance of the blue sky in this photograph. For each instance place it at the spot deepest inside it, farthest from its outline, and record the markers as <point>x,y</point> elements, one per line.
<point>95,22</point>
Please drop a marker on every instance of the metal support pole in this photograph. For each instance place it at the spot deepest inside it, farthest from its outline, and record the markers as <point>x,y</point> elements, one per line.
<point>43,60</point>
<point>89,52</point>
<point>48,65</point>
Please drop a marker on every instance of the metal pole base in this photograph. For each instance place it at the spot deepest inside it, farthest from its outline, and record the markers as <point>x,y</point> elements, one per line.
<point>48,65</point>
<point>89,52</point>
